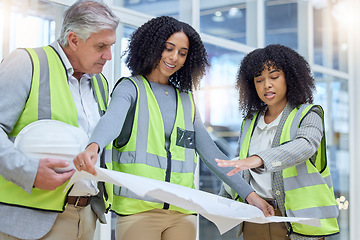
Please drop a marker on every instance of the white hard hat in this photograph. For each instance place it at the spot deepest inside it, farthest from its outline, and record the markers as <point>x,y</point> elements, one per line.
<point>52,139</point>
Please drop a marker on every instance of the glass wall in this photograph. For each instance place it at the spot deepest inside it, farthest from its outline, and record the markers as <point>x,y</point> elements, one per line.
<point>226,19</point>
<point>27,25</point>
<point>331,25</point>
<point>217,88</point>
<point>24,27</point>
<point>281,21</point>
<point>1,29</point>
<point>230,29</point>
<point>121,44</point>
<point>156,8</point>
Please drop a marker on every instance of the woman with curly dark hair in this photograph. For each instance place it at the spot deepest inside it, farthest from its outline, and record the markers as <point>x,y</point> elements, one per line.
<point>158,131</point>
<point>299,79</point>
<point>282,148</point>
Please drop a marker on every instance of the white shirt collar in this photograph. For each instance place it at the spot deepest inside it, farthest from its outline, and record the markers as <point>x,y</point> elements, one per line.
<point>264,126</point>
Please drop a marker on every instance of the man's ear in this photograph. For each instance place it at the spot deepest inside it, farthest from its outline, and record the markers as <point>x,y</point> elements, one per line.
<point>73,40</point>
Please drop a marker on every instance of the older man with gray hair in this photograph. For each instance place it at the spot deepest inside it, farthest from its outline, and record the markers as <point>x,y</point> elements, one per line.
<point>62,82</point>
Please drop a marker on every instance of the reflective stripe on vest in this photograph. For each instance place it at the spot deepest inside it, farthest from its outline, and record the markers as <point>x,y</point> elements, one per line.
<point>49,98</point>
<point>304,182</point>
<point>145,153</point>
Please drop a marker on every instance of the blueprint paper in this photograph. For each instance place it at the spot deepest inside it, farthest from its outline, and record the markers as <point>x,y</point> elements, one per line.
<point>223,212</point>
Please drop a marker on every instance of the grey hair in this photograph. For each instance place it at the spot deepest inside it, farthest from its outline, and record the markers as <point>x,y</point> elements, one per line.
<point>85,18</point>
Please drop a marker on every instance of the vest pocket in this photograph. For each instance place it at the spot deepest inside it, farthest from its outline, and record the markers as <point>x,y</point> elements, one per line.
<point>185,138</point>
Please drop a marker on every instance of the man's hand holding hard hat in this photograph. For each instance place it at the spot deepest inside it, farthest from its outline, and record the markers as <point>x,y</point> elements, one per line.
<point>55,144</point>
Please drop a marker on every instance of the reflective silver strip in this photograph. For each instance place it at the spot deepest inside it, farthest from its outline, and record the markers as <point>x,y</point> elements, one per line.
<point>129,194</point>
<point>187,107</point>
<point>305,179</point>
<point>44,104</point>
<point>108,155</point>
<point>328,181</point>
<point>143,120</point>
<point>150,159</point>
<point>101,88</point>
<point>295,123</point>
<point>184,166</point>
<point>315,212</point>
<point>155,161</point>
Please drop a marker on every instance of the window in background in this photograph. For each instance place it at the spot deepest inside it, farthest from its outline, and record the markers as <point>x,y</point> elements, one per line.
<point>226,19</point>
<point>1,31</point>
<point>281,23</point>
<point>331,26</point>
<point>155,7</point>
<point>217,93</point>
<point>120,69</point>
<point>31,31</point>
<point>28,25</point>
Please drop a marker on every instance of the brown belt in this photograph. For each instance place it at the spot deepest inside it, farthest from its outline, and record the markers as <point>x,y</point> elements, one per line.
<point>273,203</point>
<point>79,201</point>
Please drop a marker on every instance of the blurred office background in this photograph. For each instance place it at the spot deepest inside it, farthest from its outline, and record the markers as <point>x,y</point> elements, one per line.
<point>325,32</point>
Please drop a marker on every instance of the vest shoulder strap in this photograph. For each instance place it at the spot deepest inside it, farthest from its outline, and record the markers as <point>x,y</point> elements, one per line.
<point>296,121</point>
<point>244,128</point>
<point>247,122</point>
<point>40,65</point>
<point>100,87</point>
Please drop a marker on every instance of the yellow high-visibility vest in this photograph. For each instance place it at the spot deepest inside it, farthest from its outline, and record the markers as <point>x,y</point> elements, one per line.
<point>50,98</point>
<point>145,153</point>
<point>308,186</point>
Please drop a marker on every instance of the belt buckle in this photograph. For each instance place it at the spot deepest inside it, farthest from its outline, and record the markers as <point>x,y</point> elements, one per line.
<point>274,204</point>
<point>77,201</point>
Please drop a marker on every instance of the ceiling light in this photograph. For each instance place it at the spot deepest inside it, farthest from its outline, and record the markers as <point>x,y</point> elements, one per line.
<point>218,17</point>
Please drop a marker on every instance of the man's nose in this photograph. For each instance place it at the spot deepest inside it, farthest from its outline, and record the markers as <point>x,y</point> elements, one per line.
<point>107,55</point>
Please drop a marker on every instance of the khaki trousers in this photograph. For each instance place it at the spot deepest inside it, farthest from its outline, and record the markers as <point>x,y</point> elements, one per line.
<point>267,231</point>
<point>156,224</point>
<point>75,223</point>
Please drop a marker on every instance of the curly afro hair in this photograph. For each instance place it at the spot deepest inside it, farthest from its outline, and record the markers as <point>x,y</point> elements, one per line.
<point>299,79</point>
<point>147,44</point>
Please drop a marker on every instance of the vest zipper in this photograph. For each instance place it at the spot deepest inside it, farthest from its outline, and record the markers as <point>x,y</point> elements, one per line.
<point>168,174</point>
